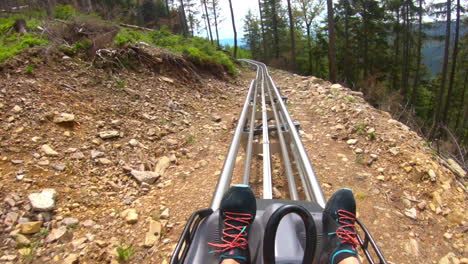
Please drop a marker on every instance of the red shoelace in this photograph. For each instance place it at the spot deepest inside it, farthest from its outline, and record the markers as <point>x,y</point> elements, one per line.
<point>347,232</point>
<point>233,239</point>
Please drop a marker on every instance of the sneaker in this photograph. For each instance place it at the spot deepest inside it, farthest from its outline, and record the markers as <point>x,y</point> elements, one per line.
<point>237,211</point>
<point>339,217</point>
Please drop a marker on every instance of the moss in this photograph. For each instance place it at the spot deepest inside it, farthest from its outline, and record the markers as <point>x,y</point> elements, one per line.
<point>12,43</point>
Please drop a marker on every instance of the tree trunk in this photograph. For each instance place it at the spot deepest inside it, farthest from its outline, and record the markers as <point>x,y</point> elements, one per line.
<point>20,26</point>
<point>347,61</point>
<point>440,99</point>
<point>49,7</point>
<point>167,8</point>
<point>208,20</point>
<point>216,21</point>
<point>293,37</point>
<point>406,49</point>
<point>445,118</point>
<point>139,13</point>
<point>90,6</point>
<point>331,44</point>
<point>461,109</point>
<point>414,93</point>
<point>263,31</point>
<point>233,28</point>
<point>309,46</point>
<point>366,44</point>
<point>275,27</point>
<point>397,50</point>
<point>184,19</point>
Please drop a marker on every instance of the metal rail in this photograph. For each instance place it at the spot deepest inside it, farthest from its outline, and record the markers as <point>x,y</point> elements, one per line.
<point>279,136</point>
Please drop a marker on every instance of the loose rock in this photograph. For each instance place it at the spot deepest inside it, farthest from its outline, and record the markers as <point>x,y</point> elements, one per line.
<point>162,165</point>
<point>154,233</point>
<point>56,234</point>
<point>43,201</point>
<point>165,214</point>
<point>109,134</point>
<point>71,259</point>
<point>49,151</point>
<point>69,221</point>
<point>30,227</point>
<point>64,118</point>
<point>130,215</point>
<point>145,176</point>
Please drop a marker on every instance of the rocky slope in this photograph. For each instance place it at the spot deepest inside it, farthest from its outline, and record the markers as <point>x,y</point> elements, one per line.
<point>413,202</point>
<point>88,158</point>
<point>101,167</point>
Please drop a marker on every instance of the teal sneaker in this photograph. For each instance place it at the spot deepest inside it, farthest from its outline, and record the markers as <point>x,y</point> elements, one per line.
<point>339,219</point>
<point>237,212</point>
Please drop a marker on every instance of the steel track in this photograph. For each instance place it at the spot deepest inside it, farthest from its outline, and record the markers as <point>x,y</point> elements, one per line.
<point>265,128</point>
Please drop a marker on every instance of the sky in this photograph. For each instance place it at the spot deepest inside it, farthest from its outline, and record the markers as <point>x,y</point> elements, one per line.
<point>241,8</point>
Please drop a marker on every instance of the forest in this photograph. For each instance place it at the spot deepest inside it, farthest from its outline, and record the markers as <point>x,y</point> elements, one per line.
<point>377,47</point>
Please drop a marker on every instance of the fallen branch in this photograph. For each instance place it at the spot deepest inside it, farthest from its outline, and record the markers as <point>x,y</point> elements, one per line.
<point>136,27</point>
<point>16,9</point>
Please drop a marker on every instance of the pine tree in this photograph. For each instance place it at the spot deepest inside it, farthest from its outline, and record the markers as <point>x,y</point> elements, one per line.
<point>234,29</point>
<point>331,47</point>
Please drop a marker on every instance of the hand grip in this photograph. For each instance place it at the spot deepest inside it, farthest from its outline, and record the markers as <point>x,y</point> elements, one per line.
<point>272,228</point>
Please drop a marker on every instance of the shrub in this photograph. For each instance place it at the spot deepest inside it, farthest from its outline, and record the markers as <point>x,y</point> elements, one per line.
<point>198,50</point>
<point>125,252</point>
<point>14,44</point>
<point>64,12</point>
<point>81,45</point>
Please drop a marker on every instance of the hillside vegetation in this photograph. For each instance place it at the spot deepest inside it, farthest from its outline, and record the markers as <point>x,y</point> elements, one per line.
<point>77,34</point>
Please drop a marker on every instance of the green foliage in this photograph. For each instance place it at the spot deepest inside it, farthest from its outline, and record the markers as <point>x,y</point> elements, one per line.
<point>360,196</point>
<point>64,12</point>
<point>15,43</point>
<point>191,139</point>
<point>12,43</point>
<point>43,232</point>
<point>360,128</point>
<point>121,84</point>
<point>372,135</point>
<point>349,99</point>
<point>125,252</point>
<point>197,49</point>
<point>81,45</point>
<point>29,69</point>
<point>360,159</point>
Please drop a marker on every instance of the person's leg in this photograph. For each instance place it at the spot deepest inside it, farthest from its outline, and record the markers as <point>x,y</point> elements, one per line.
<point>339,217</point>
<point>350,260</point>
<point>237,211</point>
<point>231,261</point>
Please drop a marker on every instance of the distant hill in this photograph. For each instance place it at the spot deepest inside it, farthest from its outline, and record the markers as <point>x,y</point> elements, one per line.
<point>433,48</point>
<point>230,42</point>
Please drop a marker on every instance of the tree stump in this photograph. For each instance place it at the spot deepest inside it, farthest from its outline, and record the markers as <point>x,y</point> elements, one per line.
<point>20,26</point>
